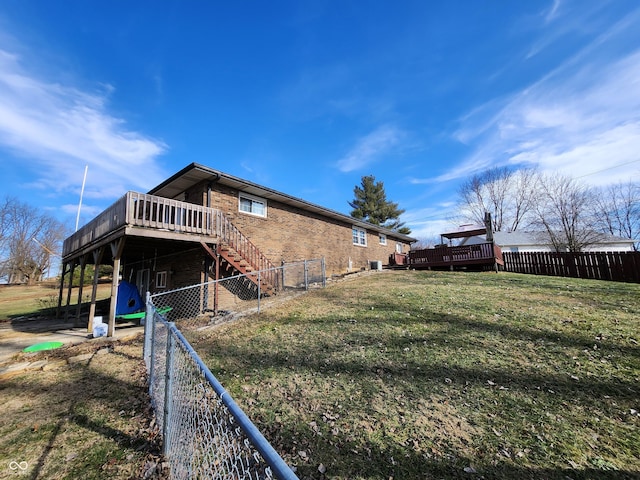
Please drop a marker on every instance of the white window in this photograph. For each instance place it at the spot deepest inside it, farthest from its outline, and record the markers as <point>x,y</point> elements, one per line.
<point>398,247</point>
<point>359,236</point>
<point>383,239</point>
<point>252,205</point>
<point>161,279</point>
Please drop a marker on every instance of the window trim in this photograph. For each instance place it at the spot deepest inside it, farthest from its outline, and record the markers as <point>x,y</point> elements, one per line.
<point>161,279</point>
<point>252,198</point>
<point>358,236</point>
<point>382,238</point>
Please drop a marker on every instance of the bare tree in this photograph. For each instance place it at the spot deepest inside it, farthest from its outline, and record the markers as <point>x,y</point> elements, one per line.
<point>618,211</point>
<point>564,212</point>
<point>524,188</point>
<point>29,239</point>
<point>505,193</point>
<point>5,223</point>
<point>425,243</point>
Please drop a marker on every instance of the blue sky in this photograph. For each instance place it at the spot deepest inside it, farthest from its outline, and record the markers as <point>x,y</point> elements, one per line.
<point>307,97</point>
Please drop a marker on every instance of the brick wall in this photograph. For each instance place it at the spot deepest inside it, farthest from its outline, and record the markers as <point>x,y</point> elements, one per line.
<point>183,268</point>
<point>290,234</point>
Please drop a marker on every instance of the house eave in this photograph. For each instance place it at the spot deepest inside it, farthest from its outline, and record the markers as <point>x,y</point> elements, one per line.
<point>195,173</point>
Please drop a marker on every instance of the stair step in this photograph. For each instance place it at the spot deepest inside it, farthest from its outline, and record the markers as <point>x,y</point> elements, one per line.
<point>234,261</point>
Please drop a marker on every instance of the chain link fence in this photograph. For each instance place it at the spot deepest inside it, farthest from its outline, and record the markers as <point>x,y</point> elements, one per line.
<point>205,434</point>
<point>214,301</point>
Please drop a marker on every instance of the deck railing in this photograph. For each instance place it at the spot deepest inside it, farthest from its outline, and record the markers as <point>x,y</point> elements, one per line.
<point>106,222</point>
<point>461,255</point>
<point>149,211</point>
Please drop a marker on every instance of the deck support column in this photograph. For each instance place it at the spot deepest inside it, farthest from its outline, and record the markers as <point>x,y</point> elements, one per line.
<point>61,290</point>
<point>204,279</point>
<point>215,285</point>
<point>97,258</point>
<point>116,251</point>
<point>83,266</point>
<point>214,254</point>
<point>71,270</point>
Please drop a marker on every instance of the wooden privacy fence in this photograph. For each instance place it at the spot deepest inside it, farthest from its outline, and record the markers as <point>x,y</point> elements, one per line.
<point>616,266</point>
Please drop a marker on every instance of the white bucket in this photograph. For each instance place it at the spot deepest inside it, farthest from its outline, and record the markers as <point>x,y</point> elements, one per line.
<point>99,328</point>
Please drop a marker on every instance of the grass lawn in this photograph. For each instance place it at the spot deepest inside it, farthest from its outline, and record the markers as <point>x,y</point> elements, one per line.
<point>41,299</point>
<point>86,420</point>
<point>443,375</point>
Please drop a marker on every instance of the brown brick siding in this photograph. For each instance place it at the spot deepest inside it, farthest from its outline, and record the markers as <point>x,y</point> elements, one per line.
<point>290,234</point>
<point>183,268</point>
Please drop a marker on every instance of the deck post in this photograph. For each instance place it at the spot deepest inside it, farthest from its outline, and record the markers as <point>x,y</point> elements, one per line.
<point>116,250</point>
<point>71,270</point>
<point>83,266</point>
<point>205,283</point>
<point>215,285</point>
<point>61,290</point>
<point>97,258</point>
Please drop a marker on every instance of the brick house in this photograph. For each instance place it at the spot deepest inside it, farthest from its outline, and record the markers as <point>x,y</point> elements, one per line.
<point>202,224</point>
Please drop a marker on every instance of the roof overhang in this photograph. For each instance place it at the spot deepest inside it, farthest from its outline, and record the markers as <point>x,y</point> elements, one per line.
<point>195,173</point>
<point>463,233</point>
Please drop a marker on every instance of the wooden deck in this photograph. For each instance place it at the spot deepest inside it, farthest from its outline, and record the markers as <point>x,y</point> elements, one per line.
<point>153,226</point>
<point>483,254</point>
<point>148,217</point>
<point>149,212</point>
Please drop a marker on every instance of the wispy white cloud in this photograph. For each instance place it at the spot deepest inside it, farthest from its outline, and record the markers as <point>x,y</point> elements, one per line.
<point>56,129</point>
<point>371,148</point>
<point>580,118</point>
<point>429,222</point>
<point>88,211</point>
<point>563,20</point>
<point>552,13</point>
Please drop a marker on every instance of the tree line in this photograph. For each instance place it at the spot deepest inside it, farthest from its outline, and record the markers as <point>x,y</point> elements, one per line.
<point>29,240</point>
<point>567,213</point>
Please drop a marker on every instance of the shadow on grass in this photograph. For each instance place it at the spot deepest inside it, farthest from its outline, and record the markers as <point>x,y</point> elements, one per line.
<point>507,330</point>
<point>71,403</point>
<point>436,362</point>
<point>45,319</point>
<point>401,462</point>
<point>453,340</point>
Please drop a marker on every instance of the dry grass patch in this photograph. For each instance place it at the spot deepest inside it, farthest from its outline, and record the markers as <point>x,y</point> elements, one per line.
<point>40,299</point>
<point>88,420</point>
<point>443,375</point>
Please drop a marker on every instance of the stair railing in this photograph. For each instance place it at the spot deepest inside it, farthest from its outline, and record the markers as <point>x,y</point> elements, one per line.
<point>234,238</point>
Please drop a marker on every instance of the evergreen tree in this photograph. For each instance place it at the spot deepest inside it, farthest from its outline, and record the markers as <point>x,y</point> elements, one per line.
<point>371,205</point>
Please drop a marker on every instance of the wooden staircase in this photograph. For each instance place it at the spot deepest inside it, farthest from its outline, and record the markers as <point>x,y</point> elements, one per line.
<point>236,255</point>
<point>233,263</point>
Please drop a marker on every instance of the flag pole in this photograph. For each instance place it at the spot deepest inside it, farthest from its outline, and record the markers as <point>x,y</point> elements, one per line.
<point>86,167</point>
